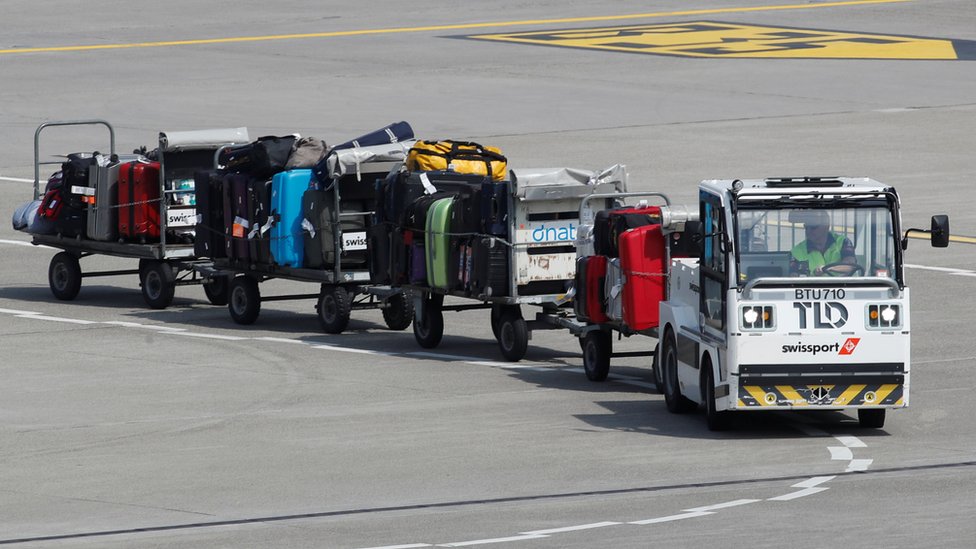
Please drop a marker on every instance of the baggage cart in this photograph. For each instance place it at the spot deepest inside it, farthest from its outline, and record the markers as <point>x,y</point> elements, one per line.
<point>545,209</point>
<point>164,263</point>
<point>344,277</point>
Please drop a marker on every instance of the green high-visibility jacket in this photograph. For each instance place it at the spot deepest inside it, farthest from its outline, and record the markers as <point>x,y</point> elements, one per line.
<point>815,259</point>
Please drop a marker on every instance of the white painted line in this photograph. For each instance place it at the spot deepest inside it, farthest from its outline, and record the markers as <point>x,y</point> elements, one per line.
<point>802,493</point>
<point>37,316</point>
<point>425,354</point>
<point>815,481</point>
<point>671,518</point>
<point>851,441</point>
<point>407,546</point>
<point>281,340</point>
<point>493,540</point>
<point>507,365</point>
<point>725,505</point>
<point>156,327</point>
<point>17,312</point>
<point>351,350</point>
<point>16,242</point>
<point>939,269</point>
<point>16,179</point>
<point>570,528</point>
<point>859,465</point>
<point>840,453</point>
<point>210,336</point>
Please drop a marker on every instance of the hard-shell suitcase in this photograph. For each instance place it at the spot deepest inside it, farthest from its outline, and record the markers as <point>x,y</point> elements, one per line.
<point>75,194</point>
<point>437,243</point>
<point>210,237</point>
<point>139,201</point>
<point>103,213</point>
<point>259,208</point>
<point>581,305</point>
<point>608,225</point>
<point>418,263</point>
<point>489,268</point>
<point>287,244</point>
<point>236,217</point>
<point>380,241</point>
<point>642,260</point>
<point>591,278</point>
<point>495,196</point>
<point>318,232</point>
<point>613,290</point>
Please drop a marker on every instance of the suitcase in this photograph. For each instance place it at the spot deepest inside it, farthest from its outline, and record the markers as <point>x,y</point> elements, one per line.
<point>608,225</point>
<point>489,270</point>
<point>236,217</point>
<point>139,201</point>
<point>591,277</point>
<point>418,263</point>
<point>613,290</point>
<point>103,213</point>
<point>259,208</point>
<point>495,196</point>
<point>380,241</point>
<point>261,158</point>
<point>318,234</point>
<point>458,156</point>
<point>287,244</point>
<point>581,306</point>
<point>642,260</point>
<point>210,238</point>
<point>437,244</point>
<point>75,194</point>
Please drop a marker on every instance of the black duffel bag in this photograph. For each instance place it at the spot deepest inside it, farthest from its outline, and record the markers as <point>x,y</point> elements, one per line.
<point>261,158</point>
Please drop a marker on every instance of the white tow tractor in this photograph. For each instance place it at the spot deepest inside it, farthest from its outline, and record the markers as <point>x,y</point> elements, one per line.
<point>748,326</point>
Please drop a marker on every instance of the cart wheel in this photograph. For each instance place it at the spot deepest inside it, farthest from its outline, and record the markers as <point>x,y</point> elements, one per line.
<point>496,319</point>
<point>64,276</point>
<point>398,312</point>
<point>656,369</point>
<point>513,335</point>
<point>158,285</point>
<point>428,328</point>
<point>333,308</point>
<point>217,289</point>
<point>871,418</point>
<point>244,300</point>
<point>597,348</point>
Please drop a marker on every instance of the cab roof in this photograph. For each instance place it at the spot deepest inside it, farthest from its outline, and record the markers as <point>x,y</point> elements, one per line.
<point>796,186</point>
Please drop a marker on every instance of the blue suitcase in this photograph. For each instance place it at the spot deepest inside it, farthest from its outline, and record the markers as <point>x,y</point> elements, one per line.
<point>287,243</point>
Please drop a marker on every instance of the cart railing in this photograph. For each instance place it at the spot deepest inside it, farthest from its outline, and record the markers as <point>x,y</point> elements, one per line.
<point>37,145</point>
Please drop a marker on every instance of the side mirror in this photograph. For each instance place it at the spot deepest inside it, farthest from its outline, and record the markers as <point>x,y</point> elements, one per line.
<point>940,231</point>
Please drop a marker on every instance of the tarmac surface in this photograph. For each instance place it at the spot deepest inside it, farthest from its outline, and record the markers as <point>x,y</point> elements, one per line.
<point>123,426</point>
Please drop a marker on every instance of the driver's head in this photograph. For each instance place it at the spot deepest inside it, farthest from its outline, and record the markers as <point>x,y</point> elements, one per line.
<point>816,225</point>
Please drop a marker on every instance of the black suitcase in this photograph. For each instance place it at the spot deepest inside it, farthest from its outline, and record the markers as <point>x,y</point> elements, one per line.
<point>262,158</point>
<point>579,300</point>
<point>490,271</point>
<point>495,196</point>
<point>210,238</point>
<point>319,237</point>
<point>608,225</point>
<point>380,240</point>
<point>73,220</point>
<point>236,217</point>
<point>259,208</point>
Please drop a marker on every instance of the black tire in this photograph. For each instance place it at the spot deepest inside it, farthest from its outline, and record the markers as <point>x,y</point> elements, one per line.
<point>496,319</point>
<point>244,300</point>
<point>676,402</point>
<point>597,348</point>
<point>716,421</point>
<point>398,313</point>
<point>158,284</point>
<point>64,276</point>
<point>871,418</point>
<point>657,370</point>
<point>429,330</point>
<point>513,336</point>
<point>333,309</point>
<point>217,289</point>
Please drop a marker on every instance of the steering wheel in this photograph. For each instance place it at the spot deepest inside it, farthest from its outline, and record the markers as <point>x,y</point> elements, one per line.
<point>842,269</point>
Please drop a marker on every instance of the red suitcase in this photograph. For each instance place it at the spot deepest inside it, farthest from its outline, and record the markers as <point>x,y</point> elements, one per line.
<point>139,201</point>
<point>591,272</point>
<point>642,259</point>
<point>610,224</point>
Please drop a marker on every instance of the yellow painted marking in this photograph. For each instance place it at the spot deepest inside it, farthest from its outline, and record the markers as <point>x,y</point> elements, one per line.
<point>715,39</point>
<point>849,394</point>
<point>884,391</point>
<point>465,26</point>
<point>952,238</point>
<point>758,394</point>
<point>790,393</point>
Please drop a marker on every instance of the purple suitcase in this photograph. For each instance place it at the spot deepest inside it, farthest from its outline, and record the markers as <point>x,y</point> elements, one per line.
<point>418,264</point>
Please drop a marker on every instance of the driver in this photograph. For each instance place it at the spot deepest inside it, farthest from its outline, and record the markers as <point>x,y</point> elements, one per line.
<point>821,247</point>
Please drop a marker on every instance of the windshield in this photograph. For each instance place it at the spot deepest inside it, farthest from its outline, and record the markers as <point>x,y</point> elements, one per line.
<point>854,241</point>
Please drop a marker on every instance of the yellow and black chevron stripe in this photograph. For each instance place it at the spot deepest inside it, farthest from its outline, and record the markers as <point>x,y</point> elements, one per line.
<point>853,394</point>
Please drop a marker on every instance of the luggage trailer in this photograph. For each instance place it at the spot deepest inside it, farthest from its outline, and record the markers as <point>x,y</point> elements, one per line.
<point>163,265</point>
<point>545,214</point>
<point>341,289</point>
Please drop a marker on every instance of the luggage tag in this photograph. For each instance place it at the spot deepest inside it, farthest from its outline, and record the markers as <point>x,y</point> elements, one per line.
<point>240,225</point>
<point>429,187</point>
<point>255,231</point>
<point>307,225</point>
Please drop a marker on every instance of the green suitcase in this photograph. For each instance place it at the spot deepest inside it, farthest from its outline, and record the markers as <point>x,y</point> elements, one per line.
<point>438,243</point>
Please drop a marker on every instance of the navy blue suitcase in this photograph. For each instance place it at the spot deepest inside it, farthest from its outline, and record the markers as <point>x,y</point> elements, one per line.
<point>495,196</point>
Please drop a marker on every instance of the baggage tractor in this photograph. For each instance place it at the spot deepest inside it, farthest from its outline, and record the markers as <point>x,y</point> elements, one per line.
<point>259,208</point>
<point>458,156</point>
<point>591,273</point>
<point>236,217</point>
<point>437,244</point>
<point>103,212</point>
<point>613,290</point>
<point>287,244</point>
<point>610,224</point>
<point>642,260</point>
<point>209,242</point>
<point>139,201</point>
<point>489,269</point>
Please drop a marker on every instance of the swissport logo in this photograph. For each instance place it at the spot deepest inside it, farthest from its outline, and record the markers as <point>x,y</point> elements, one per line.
<point>848,347</point>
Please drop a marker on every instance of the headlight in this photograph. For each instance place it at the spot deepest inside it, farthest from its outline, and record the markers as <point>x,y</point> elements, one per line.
<point>884,316</point>
<point>757,317</point>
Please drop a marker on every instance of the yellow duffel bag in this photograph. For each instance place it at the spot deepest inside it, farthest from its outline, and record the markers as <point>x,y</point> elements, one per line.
<point>459,156</point>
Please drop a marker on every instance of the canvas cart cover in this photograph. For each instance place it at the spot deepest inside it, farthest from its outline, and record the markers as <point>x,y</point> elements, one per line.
<point>201,139</point>
<point>557,183</point>
<point>349,161</point>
